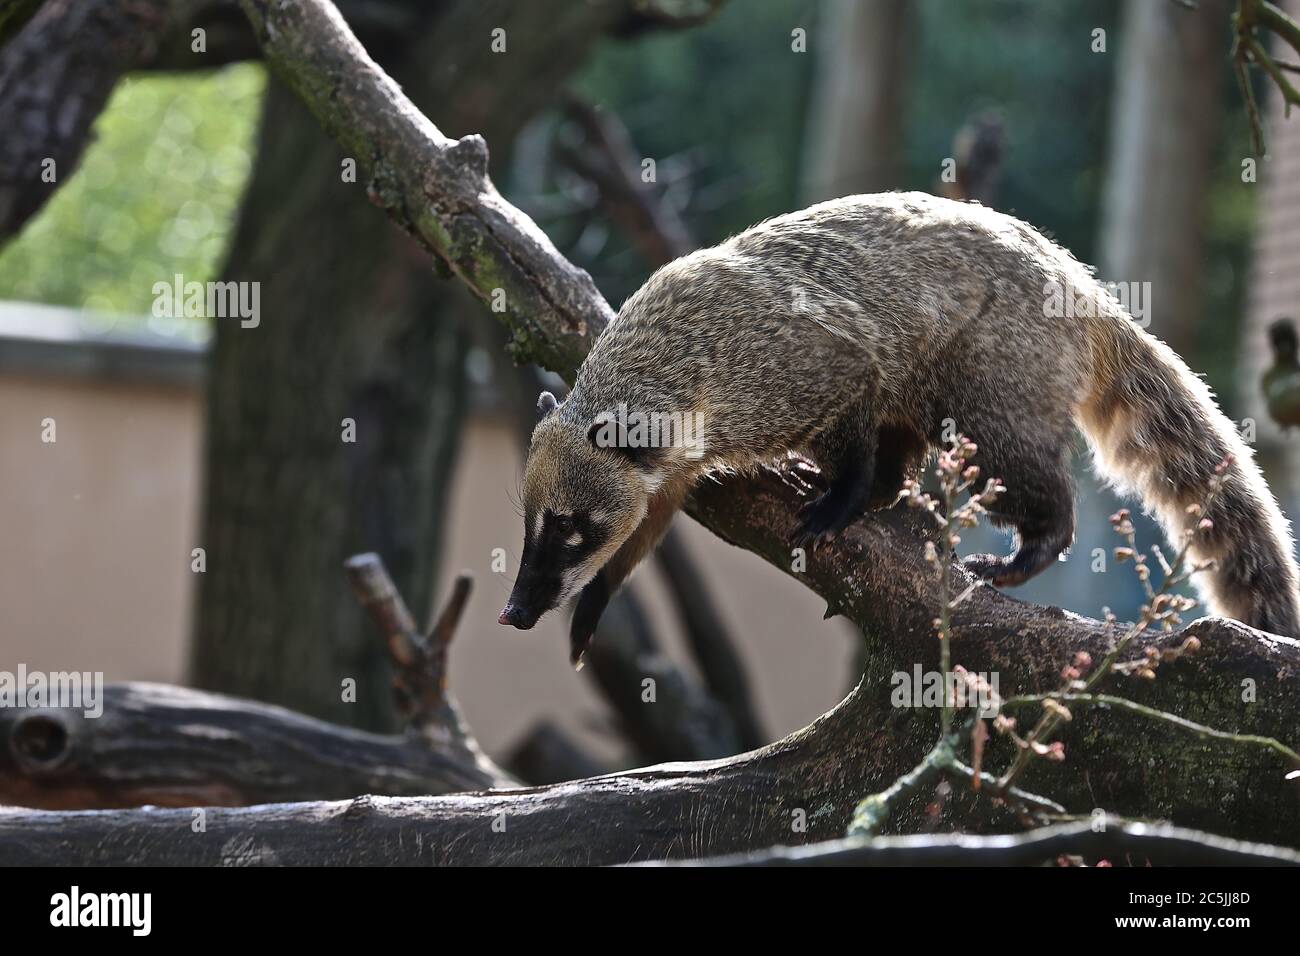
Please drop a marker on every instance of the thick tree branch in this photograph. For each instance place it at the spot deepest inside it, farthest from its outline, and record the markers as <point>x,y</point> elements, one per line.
<point>435,187</point>
<point>60,63</point>
<point>60,60</point>
<point>56,75</point>
<point>745,802</point>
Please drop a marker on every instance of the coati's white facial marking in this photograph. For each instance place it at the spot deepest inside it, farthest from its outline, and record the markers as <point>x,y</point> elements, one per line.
<point>651,480</point>
<point>573,580</point>
<point>576,578</point>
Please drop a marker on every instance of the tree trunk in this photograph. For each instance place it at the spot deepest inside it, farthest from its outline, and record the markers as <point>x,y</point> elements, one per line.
<point>855,139</point>
<point>1164,129</point>
<point>354,326</point>
<point>345,333</point>
<point>1273,291</point>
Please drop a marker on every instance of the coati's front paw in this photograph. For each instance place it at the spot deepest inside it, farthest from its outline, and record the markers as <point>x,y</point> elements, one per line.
<point>821,519</point>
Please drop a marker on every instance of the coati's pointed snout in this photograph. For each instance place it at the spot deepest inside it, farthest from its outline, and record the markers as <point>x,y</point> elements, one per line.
<point>516,616</point>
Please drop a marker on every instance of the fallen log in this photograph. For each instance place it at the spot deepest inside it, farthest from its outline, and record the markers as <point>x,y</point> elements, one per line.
<point>175,747</point>
<point>1159,845</point>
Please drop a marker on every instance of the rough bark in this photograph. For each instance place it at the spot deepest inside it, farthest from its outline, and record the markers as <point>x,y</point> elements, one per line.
<point>1154,845</point>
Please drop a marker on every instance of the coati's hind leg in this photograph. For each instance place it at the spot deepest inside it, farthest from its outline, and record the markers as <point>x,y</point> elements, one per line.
<point>846,454</point>
<point>1038,502</point>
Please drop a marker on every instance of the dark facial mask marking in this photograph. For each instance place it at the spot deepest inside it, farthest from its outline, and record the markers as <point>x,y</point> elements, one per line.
<point>543,565</point>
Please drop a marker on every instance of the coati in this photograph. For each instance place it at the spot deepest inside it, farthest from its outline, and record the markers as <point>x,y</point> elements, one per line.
<point>848,334</point>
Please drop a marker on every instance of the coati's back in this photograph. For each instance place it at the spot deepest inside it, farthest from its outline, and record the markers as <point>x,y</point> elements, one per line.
<point>769,330</point>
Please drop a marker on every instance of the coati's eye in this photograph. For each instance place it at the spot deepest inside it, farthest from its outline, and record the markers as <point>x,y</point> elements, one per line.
<point>564,525</point>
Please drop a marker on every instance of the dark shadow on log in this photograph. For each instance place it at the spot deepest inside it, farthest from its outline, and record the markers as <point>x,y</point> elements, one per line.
<point>548,755</point>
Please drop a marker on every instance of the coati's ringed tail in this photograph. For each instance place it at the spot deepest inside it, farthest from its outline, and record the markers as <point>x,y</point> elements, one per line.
<point>1157,433</point>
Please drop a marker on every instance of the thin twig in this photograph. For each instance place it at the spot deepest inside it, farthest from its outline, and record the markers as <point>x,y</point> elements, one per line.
<point>1112,838</point>
<point>872,813</point>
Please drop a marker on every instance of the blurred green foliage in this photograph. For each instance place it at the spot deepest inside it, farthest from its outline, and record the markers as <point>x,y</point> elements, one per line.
<point>724,101</point>
<point>1032,63</point>
<point>732,100</point>
<point>155,195</point>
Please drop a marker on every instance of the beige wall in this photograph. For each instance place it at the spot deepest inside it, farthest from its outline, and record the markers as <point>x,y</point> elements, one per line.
<point>98,526</point>
<point>95,572</point>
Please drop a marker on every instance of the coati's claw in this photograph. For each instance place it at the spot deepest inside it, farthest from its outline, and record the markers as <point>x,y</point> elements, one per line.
<point>801,475</point>
<point>999,571</point>
<point>821,520</point>
<point>578,644</point>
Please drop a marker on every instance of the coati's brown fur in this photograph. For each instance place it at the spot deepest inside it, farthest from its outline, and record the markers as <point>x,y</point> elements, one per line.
<point>851,333</point>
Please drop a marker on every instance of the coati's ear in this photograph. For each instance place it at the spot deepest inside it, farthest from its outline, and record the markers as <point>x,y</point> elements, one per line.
<point>607,432</point>
<point>546,404</point>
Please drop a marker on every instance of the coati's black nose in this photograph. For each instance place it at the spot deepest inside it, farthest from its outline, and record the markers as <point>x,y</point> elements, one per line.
<point>516,617</point>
